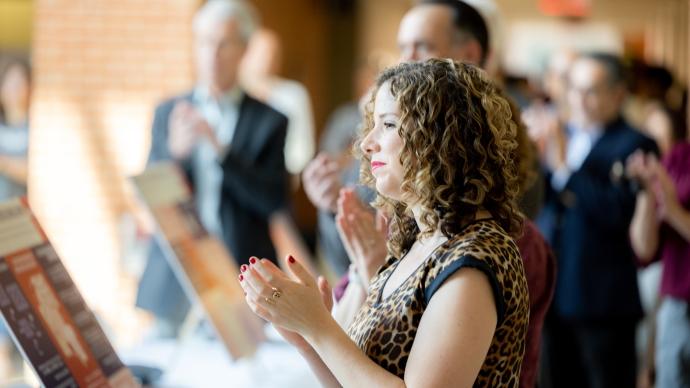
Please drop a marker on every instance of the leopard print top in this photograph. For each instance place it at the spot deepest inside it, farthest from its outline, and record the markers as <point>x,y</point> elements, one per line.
<point>385,329</point>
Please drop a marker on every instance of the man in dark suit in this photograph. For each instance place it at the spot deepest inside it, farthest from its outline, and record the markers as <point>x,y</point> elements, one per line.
<point>229,145</point>
<point>590,336</point>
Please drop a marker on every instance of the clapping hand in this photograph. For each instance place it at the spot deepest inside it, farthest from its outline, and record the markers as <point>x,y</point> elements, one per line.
<point>321,180</point>
<point>363,233</point>
<point>647,169</point>
<point>638,167</point>
<point>545,129</point>
<point>664,192</point>
<point>186,126</point>
<point>296,305</point>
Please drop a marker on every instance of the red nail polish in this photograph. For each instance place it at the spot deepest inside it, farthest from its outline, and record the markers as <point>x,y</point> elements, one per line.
<point>291,259</point>
<point>241,277</point>
<point>252,260</point>
<point>243,268</point>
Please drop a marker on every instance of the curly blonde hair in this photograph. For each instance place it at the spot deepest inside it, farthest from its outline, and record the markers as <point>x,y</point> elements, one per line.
<point>459,150</point>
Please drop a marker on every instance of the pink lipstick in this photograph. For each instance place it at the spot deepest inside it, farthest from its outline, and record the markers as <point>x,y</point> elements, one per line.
<point>375,165</point>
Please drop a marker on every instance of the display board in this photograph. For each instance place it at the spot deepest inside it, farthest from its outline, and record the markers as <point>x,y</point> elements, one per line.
<point>57,333</point>
<point>203,266</point>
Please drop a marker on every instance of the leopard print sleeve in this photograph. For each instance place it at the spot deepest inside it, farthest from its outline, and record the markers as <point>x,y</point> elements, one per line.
<point>452,264</point>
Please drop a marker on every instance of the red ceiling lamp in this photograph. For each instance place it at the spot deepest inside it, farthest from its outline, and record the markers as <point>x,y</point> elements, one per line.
<point>575,9</point>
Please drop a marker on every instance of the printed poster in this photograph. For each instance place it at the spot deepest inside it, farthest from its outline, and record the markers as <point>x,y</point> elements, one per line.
<point>46,315</point>
<point>201,262</point>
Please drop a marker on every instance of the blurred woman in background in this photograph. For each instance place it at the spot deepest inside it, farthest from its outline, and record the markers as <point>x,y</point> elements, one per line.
<point>15,95</point>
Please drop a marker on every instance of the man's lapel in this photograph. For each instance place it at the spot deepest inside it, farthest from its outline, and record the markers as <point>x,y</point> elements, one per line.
<point>242,136</point>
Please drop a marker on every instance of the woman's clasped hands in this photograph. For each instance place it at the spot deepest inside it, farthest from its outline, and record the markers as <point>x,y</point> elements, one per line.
<point>297,305</point>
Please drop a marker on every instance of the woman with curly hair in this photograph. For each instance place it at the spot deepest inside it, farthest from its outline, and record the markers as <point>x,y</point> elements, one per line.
<point>450,306</point>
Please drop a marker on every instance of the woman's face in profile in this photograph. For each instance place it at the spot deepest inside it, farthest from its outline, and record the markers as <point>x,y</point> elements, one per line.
<point>383,145</point>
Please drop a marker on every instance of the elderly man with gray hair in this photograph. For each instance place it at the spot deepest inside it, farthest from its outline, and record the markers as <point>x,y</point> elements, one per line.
<point>229,145</point>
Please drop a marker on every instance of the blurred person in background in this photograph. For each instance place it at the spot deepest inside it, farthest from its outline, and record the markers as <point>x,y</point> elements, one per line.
<point>335,167</point>
<point>453,29</point>
<point>590,330</point>
<point>660,231</point>
<point>555,81</point>
<point>15,99</point>
<point>551,114</point>
<point>259,76</point>
<point>648,108</point>
<point>229,145</point>
<point>15,96</point>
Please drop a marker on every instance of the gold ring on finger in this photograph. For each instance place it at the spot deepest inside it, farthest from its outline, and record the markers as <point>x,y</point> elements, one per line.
<point>276,293</point>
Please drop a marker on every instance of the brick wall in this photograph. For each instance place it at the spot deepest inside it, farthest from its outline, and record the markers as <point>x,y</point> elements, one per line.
<point>100,67</point>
